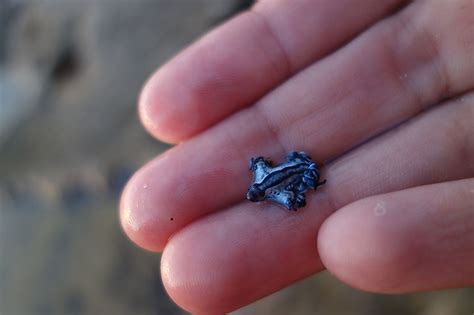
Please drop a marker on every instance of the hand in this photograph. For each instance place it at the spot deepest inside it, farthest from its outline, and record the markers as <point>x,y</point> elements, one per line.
<point>381,91</point>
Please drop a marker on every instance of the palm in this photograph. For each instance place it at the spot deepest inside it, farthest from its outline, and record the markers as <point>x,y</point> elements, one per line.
<point>332,78</point>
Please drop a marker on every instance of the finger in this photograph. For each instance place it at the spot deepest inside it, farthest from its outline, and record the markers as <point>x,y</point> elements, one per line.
<point>411,240</point>
<point>390,73</point>
<point>233,257</point>
<point>324,111</point>
<point>440,137</point>
<point>239,62</point>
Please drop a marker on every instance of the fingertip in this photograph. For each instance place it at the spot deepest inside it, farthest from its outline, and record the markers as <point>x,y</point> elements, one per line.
<point>159,106</point>
<point>137,225</point>
<point>172,275</point>
<point>362,245</point>
<point>168,267</point>
<point>140,215</point>
<point>188,279</point>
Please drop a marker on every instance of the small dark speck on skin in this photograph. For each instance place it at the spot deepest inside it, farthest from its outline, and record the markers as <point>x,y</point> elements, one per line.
<point>171,219</point>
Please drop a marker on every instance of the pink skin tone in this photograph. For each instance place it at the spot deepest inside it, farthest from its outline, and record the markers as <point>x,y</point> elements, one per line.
<point>397,213</point>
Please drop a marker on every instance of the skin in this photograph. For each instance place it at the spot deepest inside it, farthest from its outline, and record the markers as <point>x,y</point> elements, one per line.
<point>382,92</point>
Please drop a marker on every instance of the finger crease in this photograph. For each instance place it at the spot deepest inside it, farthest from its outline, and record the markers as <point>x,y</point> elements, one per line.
<point>395,69</point>
<point>271,129</point>
<point>438,62</point>
<point>285,56</point>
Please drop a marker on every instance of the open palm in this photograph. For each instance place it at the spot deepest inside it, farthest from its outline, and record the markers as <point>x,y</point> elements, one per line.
<point>381,92</point>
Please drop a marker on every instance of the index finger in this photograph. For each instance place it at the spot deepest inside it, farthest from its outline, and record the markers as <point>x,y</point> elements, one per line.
<point>239,62</point>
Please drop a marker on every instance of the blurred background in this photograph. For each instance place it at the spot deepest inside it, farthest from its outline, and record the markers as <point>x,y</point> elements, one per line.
<point>70,74</point>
